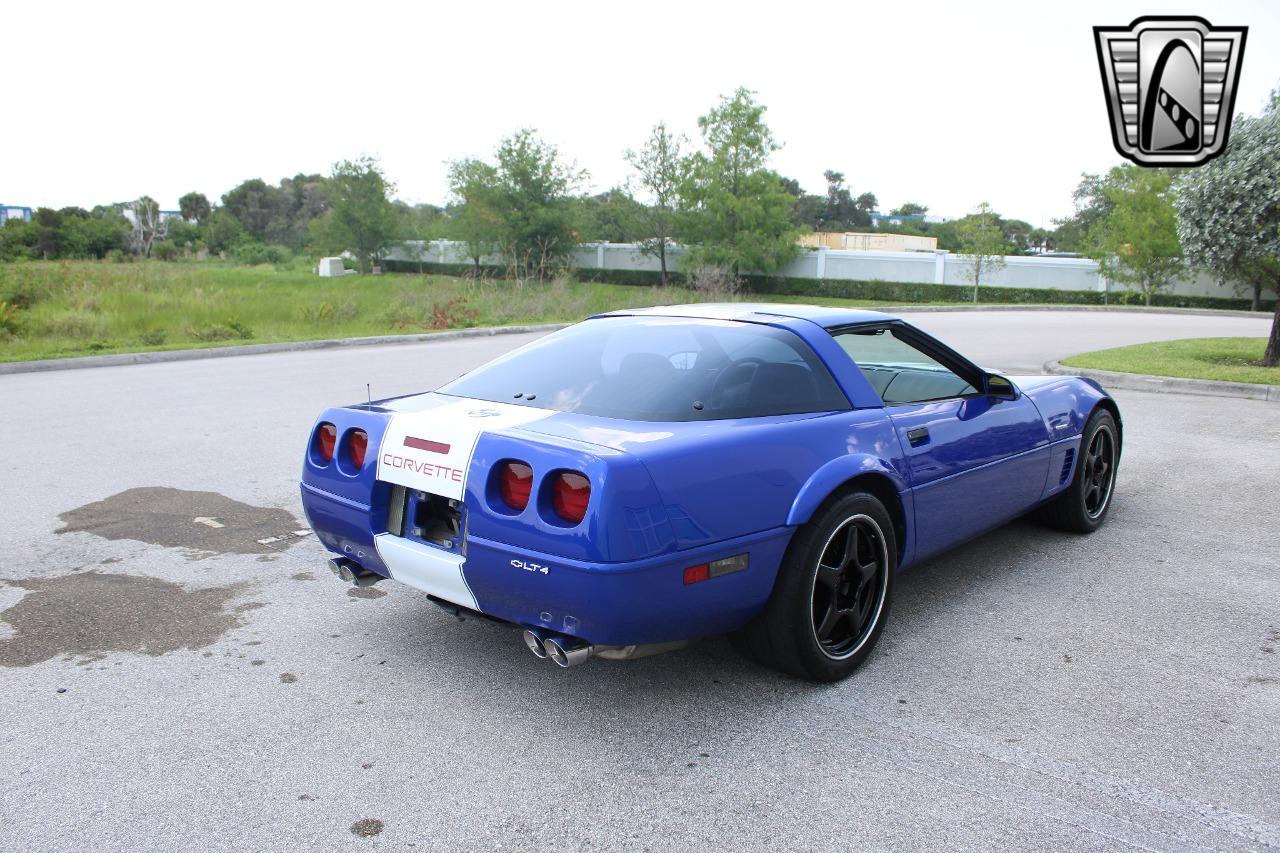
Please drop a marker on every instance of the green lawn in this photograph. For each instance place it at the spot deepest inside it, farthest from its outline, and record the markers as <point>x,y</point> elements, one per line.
<point>1224,359</point>
<point>69,308</point>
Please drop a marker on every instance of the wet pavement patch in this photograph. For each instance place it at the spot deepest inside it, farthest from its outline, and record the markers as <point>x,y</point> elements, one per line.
<point>176,518</point>
<point>89,614</point>
<point>366,592</point>
<point>367,827</point>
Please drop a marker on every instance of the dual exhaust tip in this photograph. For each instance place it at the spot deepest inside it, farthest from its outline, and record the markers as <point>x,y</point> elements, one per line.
<point>351,572</point>
<point>563,651</point>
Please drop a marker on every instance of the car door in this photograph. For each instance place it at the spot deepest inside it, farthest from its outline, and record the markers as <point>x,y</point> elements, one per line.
<point>975,460</point>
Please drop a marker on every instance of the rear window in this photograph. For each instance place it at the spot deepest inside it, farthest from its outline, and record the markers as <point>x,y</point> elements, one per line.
<point>660,369</point>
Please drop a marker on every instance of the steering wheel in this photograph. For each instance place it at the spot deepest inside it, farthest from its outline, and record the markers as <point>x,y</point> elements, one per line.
<point>739,372</point>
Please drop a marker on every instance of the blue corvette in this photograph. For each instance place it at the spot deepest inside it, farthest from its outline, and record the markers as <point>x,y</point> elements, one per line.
<point>648,477</point>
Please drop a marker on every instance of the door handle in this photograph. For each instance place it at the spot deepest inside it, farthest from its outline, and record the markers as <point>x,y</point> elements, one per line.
<point>918,436</point>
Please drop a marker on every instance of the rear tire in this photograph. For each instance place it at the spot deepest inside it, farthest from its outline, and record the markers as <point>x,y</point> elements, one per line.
<point>1083,506</point>
<point>831,599</point>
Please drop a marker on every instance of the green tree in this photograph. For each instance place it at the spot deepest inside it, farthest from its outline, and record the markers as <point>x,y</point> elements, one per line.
<point>533,199</point>
<point>17,239</point>
<point>475,220</point>
<point>983,241</point>
<point>1017,233</point>
<point>254,203</point>
<point>301,200</point>
<point>420,221</point>
<point>737,214</point>
<point>1136,241</point>
<point>1072,232</point>
<point>149,225</point>
<point>841,211</point>
<point>1229,213</point>
<point>49,238</point>
<point>659,165</point>
<point>612,216</point>
<point>806,208</point>
<point>362,218</point>
<point>194,207</point>
<point>222,231</point>
<point>909,208</point>
<point>100,234</point>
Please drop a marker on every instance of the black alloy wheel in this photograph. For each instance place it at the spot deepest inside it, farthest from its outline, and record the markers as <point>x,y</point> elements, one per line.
<point>849,586</point>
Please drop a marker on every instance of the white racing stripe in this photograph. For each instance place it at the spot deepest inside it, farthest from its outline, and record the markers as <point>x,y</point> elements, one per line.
<point>431,570</point>
<point>431,450</point>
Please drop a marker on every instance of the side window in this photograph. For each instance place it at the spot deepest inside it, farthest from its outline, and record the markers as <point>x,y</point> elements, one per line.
<point>898,371</point>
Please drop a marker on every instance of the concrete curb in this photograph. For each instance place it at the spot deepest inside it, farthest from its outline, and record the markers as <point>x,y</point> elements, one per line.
<point>259,349</point>
<point>1170,384</point>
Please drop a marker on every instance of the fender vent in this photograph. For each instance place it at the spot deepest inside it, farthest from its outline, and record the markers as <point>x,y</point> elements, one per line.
<point>1066,465</point>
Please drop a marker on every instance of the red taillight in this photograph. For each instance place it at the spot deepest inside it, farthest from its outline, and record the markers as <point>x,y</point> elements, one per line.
<point>325,440</point>
<point>569,496</point>
<point>357,445</point>
<point>515,483</point>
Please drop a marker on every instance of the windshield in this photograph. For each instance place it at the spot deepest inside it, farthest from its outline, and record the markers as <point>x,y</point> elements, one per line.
<point>660,369</point>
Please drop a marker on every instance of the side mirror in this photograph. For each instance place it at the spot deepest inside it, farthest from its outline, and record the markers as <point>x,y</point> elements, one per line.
<point>999,387</point>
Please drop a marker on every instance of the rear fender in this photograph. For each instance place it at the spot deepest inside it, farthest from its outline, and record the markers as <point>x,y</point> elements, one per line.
<point>345,506</point>
<point>831,476</point>
<point>625,517</point>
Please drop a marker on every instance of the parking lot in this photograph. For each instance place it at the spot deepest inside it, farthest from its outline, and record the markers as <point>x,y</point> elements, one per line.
<point>180,671</point>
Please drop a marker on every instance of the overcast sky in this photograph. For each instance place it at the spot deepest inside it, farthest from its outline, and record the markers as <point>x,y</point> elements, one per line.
<point>946,104</point>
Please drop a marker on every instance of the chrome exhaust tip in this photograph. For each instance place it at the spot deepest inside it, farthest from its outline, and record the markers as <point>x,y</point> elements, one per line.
<point>567,651</point>
<point>344,569</point>
<point>534,640</point>
<point>352,573</point>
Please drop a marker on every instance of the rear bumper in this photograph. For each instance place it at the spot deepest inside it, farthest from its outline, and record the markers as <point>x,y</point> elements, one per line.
<point>640,602</point>
<point>636,602</point>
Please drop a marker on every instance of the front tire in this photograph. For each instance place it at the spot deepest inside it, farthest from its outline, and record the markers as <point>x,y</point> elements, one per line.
<point>1083,506</point>
<point>831,599</point>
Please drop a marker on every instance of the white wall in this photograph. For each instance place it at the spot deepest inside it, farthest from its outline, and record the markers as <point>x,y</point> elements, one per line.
<point>916,267</point>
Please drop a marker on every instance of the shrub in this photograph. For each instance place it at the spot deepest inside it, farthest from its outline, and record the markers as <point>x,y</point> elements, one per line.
<point>152,337</point>
<point>8,318</point>
<point>327,312</point>
<point>252,254</point>
<point>119,256</point>
<point>23,292</point>
<point>228,331</point>
<point>714,282</point>
<point>165,250</point>
<point>320,313</point>
<point>76,325</point>
<point>18,240</point>
<point>453,314</point>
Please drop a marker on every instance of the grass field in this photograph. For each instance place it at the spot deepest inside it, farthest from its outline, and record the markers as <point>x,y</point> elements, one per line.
<point>1223,359</point>
<point>50,309</point>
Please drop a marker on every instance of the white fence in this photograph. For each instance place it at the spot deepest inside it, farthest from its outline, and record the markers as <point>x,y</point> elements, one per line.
<point>939,267</point>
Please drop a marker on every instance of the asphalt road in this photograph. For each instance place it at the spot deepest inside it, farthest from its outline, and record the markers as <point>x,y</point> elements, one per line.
<point>178,671</point>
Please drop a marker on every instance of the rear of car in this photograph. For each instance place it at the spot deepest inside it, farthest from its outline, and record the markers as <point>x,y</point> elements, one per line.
<point>526,490</point>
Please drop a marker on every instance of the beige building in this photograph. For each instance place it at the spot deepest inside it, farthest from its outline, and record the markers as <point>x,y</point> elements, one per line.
<point>869,242</point>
